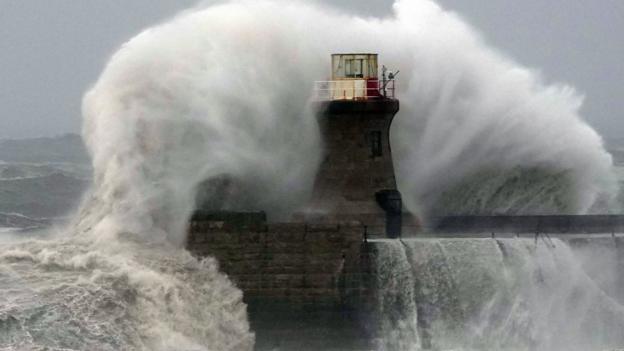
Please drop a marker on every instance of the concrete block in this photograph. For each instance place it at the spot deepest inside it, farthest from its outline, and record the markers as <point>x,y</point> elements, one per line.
<point>296,281</point>
<point>320,295</point>
<point>324,266</point>
<point>196,238</point>
<point>252,237</point>
<point>294,236</point>
<point>216,224</point>
<point>247,285</point>
<point>222,237</point>
<point>251,248</point>
<point>275,292</point>
<point>320,281</point>
<point>280,269</point>
<point>287,258</point>
<point>284,247</point>
<point>322,227</point>
<point>335,237</point>
<point>286,227</point>
<point>251,256</point>
<point>321,245</point>
<point>283,280</point>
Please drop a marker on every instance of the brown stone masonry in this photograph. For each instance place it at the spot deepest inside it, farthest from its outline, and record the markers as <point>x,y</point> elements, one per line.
<point>291,262</point>
<point>296,278</point>
<point>357,161</point>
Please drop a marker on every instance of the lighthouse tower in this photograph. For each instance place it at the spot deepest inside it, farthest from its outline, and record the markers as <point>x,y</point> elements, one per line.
<point>356,178</point>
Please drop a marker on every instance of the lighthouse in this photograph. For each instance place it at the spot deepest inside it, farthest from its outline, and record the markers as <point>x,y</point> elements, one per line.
<point>317,262</point>
<point>356,179</point>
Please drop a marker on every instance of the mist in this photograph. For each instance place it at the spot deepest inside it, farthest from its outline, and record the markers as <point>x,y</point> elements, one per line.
<point>226,90</point>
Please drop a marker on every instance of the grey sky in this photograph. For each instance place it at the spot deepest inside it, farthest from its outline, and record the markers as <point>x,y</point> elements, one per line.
<point>51,51</point>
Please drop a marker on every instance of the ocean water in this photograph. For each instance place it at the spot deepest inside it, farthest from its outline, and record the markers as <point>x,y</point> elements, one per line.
<point>71,294</point>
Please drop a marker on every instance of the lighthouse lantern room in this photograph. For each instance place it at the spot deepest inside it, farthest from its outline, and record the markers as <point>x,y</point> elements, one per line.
<point>355,77</point>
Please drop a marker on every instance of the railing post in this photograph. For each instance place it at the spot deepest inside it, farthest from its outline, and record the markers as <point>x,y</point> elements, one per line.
<point>536,236</point>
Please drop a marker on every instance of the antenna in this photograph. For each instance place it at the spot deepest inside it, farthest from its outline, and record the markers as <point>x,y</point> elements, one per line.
<point>384,81</point>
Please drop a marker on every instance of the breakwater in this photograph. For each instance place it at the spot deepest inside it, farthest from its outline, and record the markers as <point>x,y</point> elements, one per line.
<point>558,224</point>
<point>312,286</point>
<point>307,286</point>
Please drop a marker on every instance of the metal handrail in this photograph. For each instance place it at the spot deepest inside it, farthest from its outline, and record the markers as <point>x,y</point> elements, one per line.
<point>345,89</point>
<point>419,232</point>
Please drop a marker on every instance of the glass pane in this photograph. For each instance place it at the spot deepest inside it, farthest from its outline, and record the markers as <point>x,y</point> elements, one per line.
<point>348,68</point>
<point>357,68</point>
<point>372,64</point>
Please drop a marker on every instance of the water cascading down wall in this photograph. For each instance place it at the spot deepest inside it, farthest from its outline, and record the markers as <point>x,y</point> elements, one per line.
<point>499,294</point>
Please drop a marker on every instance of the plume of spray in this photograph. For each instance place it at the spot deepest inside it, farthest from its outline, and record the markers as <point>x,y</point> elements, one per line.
<point>479,134</point>
<point>225,90</point>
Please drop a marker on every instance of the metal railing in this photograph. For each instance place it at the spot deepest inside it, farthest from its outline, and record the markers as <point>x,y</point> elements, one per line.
<point>510,226</point>
<point>353,89</point>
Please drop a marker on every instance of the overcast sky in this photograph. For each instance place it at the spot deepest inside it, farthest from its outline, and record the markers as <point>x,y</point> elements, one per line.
<point>51,51</point>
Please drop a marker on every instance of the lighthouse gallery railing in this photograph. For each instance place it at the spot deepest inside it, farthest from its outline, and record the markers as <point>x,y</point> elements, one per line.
<point>353,89</point>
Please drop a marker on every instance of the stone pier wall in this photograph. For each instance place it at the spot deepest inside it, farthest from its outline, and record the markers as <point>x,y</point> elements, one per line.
<point>305,284</point>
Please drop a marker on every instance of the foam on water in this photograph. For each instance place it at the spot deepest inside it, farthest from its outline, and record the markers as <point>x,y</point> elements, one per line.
<point>71,295</point>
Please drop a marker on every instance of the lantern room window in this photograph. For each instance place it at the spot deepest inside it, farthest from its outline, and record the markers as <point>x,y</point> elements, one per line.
<point>353,68</point>
<point>354,77</point>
